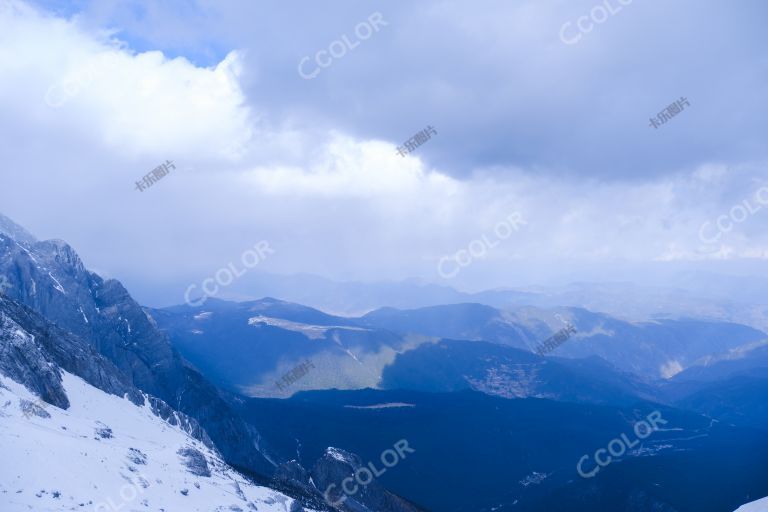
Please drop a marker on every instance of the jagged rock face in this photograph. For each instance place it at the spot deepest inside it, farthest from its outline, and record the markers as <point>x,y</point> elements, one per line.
<point>292,473</point>
<point>33,352</point>
<point>195,461</point>
<point>176,418</point>
<point>32,409</point>
<point>22,360</point>
<point>335,466</point>
<point>291,478</point>
<point>14,231</point>
<point>50,278</point>
<point>329,472</point>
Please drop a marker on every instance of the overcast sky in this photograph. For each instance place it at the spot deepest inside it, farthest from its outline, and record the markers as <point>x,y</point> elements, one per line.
<point>541,109</point>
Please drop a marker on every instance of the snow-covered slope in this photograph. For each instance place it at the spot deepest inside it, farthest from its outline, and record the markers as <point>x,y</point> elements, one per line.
<point>51,280</point>
<point>755,506</point>
<point>104,453</point>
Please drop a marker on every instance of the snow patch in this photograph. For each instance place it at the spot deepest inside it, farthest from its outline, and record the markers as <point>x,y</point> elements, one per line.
<point>62,462</point>
<point>670,369</point>
<point>337,455</point>
<point>313,332</point>
<point>58,284</point>
<point>755,506</point>
<point>389,405</point>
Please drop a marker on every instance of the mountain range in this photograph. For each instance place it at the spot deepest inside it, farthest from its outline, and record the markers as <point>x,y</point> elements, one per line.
<point>268,404</point>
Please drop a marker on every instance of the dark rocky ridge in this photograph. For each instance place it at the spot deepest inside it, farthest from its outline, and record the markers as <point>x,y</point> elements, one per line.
<point>33,352</point>
<point>49,278</point>
<point>327,475</point>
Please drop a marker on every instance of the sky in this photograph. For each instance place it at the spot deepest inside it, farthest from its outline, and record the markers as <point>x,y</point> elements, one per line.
<point>286,123</point>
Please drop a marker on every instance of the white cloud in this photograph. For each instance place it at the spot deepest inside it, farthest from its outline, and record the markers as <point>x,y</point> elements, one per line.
<point>132,103</point>
<point>331,203</point>
<point>344,166</point>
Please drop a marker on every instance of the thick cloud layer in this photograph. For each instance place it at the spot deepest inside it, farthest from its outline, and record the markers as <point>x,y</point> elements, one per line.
<point>96,95</point>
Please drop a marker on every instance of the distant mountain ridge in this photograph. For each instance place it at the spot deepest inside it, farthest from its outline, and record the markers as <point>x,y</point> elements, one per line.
<point>59,321</point>
<point>498,370</point>
<point>248,346</point>
<point>692,295</point>
<point>650,350</point>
